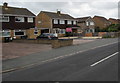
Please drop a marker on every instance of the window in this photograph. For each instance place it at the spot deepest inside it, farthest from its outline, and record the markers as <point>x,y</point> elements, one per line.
<point>30,19</point>
<point>39,22</point>
<point>4,18</point>
<point>19,32</point>
<point>74,22</point>
<point>91,23</point>
<point>69,22</point>
<point>5,33</point>
<point>87,23</point>
<point>35,32</point>
<point>60,31</point>
<point>19,19</point>
<point>62,22</point>
<point>55,21</point>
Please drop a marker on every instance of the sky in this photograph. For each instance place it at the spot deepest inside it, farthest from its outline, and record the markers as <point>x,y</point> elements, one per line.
<point>75,8</point>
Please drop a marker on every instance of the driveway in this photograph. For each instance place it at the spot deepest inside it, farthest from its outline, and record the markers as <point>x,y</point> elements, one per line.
<point>14,50</point>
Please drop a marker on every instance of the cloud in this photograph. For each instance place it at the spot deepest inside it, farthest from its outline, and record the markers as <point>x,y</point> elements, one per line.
<point>76,9</point>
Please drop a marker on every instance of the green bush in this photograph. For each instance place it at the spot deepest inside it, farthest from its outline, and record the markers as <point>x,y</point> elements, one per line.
<point>106,36</point>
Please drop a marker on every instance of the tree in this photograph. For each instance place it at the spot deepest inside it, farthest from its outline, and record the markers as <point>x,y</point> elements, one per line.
<point>113,28</point>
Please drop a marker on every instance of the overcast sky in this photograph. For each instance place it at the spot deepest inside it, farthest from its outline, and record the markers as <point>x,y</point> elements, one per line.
<point>78,8</point>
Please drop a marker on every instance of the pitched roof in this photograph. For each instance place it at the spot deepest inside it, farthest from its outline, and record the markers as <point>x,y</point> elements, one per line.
<point>101,18</point>
<point>16,11</point>
<point>82,19</point>
<point>59,16</point>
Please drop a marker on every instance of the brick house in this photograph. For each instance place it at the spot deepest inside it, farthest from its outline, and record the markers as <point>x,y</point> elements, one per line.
<point>113,21</point>
<point>17,22</point>
<point>101,22</point>
<point>55,22</point>
<point>86,24</point>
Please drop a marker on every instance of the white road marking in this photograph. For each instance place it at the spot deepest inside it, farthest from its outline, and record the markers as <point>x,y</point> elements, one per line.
<point>104,59</point>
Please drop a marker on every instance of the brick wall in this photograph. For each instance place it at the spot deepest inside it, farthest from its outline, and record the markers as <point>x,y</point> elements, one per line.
<point>62,43</point>
<point>55,43</point>
<point>88,34</point>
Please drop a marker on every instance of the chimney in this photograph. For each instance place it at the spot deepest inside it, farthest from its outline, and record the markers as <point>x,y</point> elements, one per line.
<point>58,12</point>
<point>5,4</point>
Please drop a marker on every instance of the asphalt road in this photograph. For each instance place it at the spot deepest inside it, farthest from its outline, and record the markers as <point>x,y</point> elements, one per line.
<point>73,68</point>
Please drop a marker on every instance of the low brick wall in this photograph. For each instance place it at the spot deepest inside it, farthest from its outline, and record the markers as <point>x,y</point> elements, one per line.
<point>109,34</point>
<point>34,41</point>
<point>88,35</point>
<point>102,34</point>
<point>62,42</point>
<point>55,43</point>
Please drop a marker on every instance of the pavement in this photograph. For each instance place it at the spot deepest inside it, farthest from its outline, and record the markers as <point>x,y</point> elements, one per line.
<point>77,67</point>
<point>49,55</point>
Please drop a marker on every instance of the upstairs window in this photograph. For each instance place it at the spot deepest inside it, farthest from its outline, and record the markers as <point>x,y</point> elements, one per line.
<point>87,23</point>
<point>62,22</point>
<point>91,23</point>
<point>74,22</point>
<point>30,19</point>
<point>4,18</point>
<point>55,21</point>
<point>69,22</point>
<point>19,19</point>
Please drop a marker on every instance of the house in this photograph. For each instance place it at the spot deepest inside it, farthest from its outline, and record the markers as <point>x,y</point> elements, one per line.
<point>113,21</point>
<point>86,24</point>
<point>101,22</point>
<point>56,22</point>
<point>17,22</point>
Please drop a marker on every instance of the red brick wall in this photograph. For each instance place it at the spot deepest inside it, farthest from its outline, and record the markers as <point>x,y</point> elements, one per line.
<point>88,34</point>
<point>101,33</point>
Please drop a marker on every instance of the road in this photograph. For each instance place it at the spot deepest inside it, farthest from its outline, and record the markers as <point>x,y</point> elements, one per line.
<point>78,67</point>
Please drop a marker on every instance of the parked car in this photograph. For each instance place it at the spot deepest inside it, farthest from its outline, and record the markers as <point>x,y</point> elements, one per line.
<point>7,39</point>
<point>47,36</point>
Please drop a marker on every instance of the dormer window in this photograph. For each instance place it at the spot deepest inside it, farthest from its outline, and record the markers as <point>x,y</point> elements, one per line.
<point>19,19</point>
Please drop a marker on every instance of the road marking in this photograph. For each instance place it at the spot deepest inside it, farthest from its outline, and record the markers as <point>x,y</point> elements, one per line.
<point>104,59</point>
<point>59,57</point>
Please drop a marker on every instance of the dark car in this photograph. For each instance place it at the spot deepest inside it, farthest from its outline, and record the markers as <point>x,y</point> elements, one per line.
<point>47,36</point>
<point>7,39</point>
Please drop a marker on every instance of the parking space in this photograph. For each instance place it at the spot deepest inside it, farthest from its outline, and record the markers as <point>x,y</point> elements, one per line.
<point>14,50</point>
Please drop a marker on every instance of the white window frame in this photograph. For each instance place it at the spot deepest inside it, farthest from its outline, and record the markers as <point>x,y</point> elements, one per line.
<point>30,19</point>
<point>74,22</point>
<point>91,23</point>
<point>20,31</point>
<point>62,21</point>
<point>55,21</point>
<point>69,22</point>
<point>2,31</point>
<point>4,17</point>
<point>87,23</point>
<point>20,18</point>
